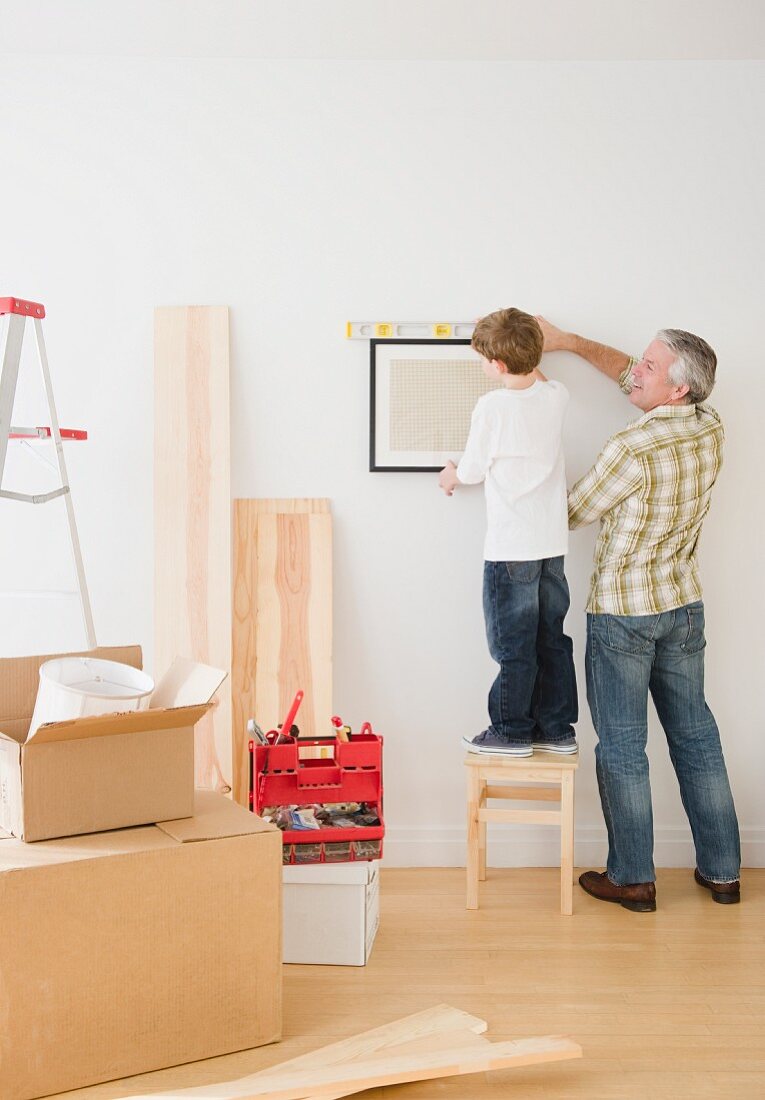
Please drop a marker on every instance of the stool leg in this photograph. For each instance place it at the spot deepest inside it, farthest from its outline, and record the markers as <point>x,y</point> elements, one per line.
<point>567,843</point>
<point>473,802</point>
<point>482,835</point>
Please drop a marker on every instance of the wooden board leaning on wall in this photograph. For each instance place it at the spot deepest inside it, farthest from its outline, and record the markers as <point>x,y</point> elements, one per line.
<point>282,619</point>
<point>192,512</point>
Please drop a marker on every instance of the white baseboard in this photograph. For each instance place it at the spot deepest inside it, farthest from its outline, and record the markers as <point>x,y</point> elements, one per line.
<point>527,846</point>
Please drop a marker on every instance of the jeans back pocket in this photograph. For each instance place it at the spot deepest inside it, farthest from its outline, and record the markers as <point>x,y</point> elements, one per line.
<point>524,572</point>
<point>630,633</point>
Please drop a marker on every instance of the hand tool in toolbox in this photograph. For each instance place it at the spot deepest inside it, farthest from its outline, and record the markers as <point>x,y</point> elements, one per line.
<point>342,733</point>
<point>287,723</point>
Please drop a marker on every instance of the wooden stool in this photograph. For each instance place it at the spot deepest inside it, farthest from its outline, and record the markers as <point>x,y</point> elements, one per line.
<point>556,771</point>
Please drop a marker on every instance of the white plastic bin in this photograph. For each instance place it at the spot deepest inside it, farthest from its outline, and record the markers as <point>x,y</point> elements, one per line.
<point>78,687</point>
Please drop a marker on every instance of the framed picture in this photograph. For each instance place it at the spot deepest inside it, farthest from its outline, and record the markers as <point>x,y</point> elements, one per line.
<point>422,394</point>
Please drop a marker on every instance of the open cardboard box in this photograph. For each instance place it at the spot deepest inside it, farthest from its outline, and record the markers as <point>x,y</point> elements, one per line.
<point>111,771</point>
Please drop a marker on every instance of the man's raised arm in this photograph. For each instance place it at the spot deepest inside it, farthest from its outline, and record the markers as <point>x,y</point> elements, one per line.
<point>608,360</point>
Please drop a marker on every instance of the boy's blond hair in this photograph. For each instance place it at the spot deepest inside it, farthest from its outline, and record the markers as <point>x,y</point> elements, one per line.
<point>512,337</point>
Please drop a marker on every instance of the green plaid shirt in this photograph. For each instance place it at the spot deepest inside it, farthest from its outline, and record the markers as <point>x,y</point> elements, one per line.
<point>651,488</point>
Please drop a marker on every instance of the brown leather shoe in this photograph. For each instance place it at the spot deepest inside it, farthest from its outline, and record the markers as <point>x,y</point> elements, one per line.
<point>726,893</point>
<point>640,897</point>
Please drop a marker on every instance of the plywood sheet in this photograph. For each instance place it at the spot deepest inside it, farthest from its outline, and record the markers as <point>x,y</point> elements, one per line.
<point>192,512</point>
<point>282,619</point>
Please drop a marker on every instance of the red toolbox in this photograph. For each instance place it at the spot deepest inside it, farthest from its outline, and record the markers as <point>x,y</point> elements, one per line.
<point>280,776</point>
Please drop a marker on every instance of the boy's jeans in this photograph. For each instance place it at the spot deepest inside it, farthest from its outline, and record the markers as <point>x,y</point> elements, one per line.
<point>628,656</point>
<point>534,696</point>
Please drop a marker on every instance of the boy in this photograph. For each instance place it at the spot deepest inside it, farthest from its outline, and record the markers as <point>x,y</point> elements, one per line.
<point>515,448</point>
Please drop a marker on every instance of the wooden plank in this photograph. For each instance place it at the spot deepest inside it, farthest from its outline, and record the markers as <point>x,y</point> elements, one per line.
<point>282,620</point>
<point>277,506</point>
<point>436,1049</point>
<point>460,1030</point>
<point>430,1021</point>
<point>356,1076</point>
<point>401,1035</point>
<point>437,1040</point>
<point>192,512</point>
<point>447,1040</point>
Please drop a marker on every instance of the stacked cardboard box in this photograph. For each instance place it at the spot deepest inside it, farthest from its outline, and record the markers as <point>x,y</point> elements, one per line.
<point>331,912</point>
<point>136,949</point>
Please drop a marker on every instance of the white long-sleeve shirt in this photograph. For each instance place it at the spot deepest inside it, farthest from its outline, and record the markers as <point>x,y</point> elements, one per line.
<point>515,447</point>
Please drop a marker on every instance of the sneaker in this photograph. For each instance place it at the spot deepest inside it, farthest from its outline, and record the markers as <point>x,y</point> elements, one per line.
<point>567,746</point>
<point>490,743</point>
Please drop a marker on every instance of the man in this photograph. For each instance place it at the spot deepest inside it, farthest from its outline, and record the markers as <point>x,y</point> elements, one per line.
<point>651,488</point>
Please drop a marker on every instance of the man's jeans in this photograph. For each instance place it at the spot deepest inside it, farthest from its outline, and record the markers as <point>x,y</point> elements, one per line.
<point>628,656</point>
<point>534,696</point>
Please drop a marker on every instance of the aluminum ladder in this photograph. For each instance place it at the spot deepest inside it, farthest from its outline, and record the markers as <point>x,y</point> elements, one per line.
<point>18,313</point>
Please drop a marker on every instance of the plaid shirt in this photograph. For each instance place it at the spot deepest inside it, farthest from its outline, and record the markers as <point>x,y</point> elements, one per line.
<point>651,487</point>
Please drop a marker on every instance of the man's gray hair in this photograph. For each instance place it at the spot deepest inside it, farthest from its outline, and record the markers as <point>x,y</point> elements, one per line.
<point>695,364</point>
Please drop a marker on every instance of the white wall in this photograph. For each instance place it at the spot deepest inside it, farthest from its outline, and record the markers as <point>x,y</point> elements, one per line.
<point>615,198</point>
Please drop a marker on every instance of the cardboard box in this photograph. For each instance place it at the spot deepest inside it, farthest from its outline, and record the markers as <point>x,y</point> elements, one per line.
<point>131,951</point>
<point>331,912</point>
<point>92,774</point>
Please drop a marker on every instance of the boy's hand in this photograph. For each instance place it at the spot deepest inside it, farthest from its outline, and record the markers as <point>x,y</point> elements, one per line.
<point>447,479</point>
<point>555,338</point>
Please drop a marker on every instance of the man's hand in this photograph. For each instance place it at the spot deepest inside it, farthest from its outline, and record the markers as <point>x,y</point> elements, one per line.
<point>447,479</point>
<point>555,338</point>
<point>609,360</point>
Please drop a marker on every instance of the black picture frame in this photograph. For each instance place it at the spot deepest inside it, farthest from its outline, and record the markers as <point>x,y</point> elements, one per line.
<point>379,453</point>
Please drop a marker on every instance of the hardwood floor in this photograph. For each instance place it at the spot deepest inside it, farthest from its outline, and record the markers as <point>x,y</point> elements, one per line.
<point>668,1004</point>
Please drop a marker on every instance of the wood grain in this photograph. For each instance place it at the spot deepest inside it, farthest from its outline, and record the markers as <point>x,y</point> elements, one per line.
<point>430,1041</point>
<point>192,512</point>
<point>282,619</point>
<point>418,1066</point>
<point>424,1025</point>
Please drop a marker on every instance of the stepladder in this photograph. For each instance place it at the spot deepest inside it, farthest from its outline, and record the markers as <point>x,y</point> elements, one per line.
<point>15,315</point>
<point>543,777</point>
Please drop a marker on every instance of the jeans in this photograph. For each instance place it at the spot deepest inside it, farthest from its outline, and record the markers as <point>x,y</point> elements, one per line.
<point>628,657</point>
<point>534,695</point>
